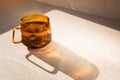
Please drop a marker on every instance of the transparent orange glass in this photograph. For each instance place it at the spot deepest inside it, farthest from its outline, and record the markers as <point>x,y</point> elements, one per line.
<point>35,31</point>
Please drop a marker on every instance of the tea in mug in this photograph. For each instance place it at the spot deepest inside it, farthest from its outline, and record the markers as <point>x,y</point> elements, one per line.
<point>36,34</point>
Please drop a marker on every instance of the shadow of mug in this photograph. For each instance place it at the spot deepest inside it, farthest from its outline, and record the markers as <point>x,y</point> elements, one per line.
<point>64,60</point>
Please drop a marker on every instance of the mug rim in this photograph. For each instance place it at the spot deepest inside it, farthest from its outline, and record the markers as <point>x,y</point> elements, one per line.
<point>34,17</point>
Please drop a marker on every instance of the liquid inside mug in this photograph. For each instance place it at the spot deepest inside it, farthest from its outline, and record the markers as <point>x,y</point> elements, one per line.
<point>35,31</point>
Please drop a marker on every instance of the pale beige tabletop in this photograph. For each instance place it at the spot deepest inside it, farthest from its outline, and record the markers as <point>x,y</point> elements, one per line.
<point>80,50</point>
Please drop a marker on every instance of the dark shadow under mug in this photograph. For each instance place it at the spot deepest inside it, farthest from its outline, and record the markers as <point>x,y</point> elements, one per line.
<point>35,31</point>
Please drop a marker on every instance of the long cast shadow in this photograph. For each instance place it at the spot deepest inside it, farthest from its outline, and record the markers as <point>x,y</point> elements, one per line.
<point>64,60</point>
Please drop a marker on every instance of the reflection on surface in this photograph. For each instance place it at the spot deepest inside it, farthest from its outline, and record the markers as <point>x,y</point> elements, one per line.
<point>64,60</point>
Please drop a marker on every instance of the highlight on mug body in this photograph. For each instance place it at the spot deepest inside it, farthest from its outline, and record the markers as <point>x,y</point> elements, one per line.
<point>35,31</point>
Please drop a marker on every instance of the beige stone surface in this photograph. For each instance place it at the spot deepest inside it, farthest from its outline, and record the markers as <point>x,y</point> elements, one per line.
<point>80,50</point>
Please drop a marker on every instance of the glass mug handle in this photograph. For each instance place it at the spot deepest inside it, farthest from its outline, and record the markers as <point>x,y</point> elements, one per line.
<point>13,36</point>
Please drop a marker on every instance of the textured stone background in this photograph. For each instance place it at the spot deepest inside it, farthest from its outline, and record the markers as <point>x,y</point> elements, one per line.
<point>106,8</point>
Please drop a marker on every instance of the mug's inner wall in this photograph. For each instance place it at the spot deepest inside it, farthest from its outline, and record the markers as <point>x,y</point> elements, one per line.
<point>35,23</point>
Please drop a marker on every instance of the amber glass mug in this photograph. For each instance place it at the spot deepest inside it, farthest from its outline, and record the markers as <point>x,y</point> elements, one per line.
<point>35,31</point>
